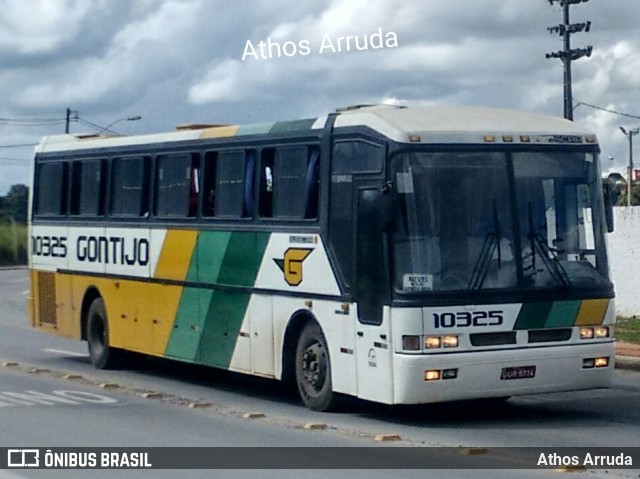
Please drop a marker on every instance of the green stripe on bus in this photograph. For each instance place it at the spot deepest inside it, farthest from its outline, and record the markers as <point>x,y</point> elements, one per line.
<point>533,315</point>
<point>255,128</point>
<point>295,125</point>
<point>563,314</point>
<point>208,321</point>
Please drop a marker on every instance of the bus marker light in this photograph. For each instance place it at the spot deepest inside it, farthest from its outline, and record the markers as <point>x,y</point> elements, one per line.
<point>432,342</point>
<point>450,341</point>
<point>414,138</point>
<point>489,138</point>
<point>411,343</point>
<point>525,139</point>
<point>433,375</point>
<point>507,138</point>
<point>449,373</point>
<point>601,332</point>
<point>588,363</point>
<point>586,333</point>
<point>602,362</point>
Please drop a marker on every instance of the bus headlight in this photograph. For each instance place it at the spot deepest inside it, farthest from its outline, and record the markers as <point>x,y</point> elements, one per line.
<point>433,375</point>
<point>432,342</point>
<point>450,341</point>
<point>602,362</point>
<point>586,333</point>
<point>601,332</point>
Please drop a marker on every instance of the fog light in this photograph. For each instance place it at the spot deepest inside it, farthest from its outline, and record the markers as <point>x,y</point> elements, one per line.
<point>411,343</point>
<point>602,362</point>
<point>601,332</point>
<point>431,342</point>
<point>450,341</point>
<point>586,333</point>
<point>449,373</point>
<point>432,375</point>
<point>588,363</point>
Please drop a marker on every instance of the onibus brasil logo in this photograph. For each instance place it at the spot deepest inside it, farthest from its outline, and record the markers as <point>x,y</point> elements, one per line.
<point>291,264</point>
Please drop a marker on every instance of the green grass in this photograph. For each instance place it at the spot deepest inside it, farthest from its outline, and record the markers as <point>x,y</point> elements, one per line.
<point>628,329</point>
<point>13,244</point>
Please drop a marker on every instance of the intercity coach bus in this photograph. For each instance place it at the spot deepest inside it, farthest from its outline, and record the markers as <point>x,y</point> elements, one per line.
<point>399,255</point>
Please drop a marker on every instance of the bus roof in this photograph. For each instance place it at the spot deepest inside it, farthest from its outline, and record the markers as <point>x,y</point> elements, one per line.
<point>426,124</point>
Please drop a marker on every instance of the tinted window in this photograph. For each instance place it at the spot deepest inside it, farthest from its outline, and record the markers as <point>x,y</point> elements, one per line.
<point>129,187</point>
<point>87,194</point>
<point>230,183</point>
<point>51,190</point>
<point>357,157</point>
<point>176,185</point>
<point>289,179</point>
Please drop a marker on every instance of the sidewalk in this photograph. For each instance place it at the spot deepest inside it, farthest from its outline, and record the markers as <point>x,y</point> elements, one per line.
<point>627,356</point>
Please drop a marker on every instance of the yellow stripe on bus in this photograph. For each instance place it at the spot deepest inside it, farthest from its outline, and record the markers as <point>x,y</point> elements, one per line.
<point>219,132</point>
<point>592,311</point>
<point>176,254</point>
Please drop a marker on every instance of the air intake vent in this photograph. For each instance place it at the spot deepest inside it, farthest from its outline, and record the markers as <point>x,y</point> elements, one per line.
<point>47,298</point>
<point>493,339</point>
<point>549,335</point>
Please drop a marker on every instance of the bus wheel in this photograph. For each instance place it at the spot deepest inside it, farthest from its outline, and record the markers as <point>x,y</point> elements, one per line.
<point>313,369</point>
<point>101,354</point>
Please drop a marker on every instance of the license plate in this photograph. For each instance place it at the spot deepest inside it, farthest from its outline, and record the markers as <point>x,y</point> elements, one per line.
<point>519,372</point>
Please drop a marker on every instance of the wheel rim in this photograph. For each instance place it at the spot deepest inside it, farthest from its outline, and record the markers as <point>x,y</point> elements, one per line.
<point>98,334</point>
<point>314,369</point>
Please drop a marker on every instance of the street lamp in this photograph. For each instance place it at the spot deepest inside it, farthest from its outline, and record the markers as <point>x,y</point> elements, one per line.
<point>629,134</point>
<point>128,118</point>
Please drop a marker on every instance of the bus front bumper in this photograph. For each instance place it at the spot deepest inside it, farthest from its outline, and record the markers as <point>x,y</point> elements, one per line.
<point>500,373</point>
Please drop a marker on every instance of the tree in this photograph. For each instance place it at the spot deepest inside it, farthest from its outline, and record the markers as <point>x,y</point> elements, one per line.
<point>14,204</point>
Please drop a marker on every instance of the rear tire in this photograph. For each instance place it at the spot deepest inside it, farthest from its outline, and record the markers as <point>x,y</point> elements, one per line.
<point>313,370</point>
<point>102,355</point>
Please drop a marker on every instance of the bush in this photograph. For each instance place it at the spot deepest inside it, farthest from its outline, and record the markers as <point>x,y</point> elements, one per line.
<point>13,244</point>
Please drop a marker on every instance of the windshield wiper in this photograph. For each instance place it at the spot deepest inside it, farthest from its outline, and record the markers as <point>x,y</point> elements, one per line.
<point>548,255</point>
<point>489,246</point>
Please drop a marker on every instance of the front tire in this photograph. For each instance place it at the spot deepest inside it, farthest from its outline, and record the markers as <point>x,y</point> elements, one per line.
<point>313,369</point>
<point>102,355</point>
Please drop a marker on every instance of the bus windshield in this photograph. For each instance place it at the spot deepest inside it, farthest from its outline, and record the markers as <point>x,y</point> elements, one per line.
<point>498,221</point>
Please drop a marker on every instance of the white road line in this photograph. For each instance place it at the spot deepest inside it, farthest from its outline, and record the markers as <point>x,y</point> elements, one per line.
<point>65,353</point>
<point>11,475</point>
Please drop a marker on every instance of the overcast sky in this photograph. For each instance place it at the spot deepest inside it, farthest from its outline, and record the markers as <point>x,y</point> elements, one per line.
<point>181,61</point>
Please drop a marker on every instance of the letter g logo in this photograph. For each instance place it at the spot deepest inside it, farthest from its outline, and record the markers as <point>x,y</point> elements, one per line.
<point>291,264</point>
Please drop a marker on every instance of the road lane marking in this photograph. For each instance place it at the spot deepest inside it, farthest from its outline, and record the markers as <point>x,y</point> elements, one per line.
<point>54,398</point>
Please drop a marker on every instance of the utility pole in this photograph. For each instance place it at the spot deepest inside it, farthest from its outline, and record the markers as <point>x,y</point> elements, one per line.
<point>70,119</point>
<point>567,55</point>
<point>630,134</point>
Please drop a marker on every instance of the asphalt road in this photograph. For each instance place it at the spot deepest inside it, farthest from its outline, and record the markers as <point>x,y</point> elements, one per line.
<point>41,406</point>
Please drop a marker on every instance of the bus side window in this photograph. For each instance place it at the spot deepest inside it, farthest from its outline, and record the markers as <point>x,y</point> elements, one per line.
<point>209,184</point>
<point>265,200</point>
<point>51,189</point>
<point>230,184</point>
<point>88,187</point>
<point>129,187</point>
<point>176,185</point>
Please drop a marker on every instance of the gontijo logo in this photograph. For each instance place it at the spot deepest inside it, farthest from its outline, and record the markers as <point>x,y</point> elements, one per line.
<point>291,264</point>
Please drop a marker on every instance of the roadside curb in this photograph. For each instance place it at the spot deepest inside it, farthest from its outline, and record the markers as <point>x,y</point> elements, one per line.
<point>629,363</point>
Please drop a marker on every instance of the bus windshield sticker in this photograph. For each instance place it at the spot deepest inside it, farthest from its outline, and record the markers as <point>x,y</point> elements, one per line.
<point>405,182</point>
<point>417,282</point>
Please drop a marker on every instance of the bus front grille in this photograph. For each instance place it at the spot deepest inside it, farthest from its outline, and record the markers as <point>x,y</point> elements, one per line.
<point>493,339</point>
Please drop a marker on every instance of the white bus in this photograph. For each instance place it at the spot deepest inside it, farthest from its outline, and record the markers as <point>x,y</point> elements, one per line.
<point>399,255</point>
